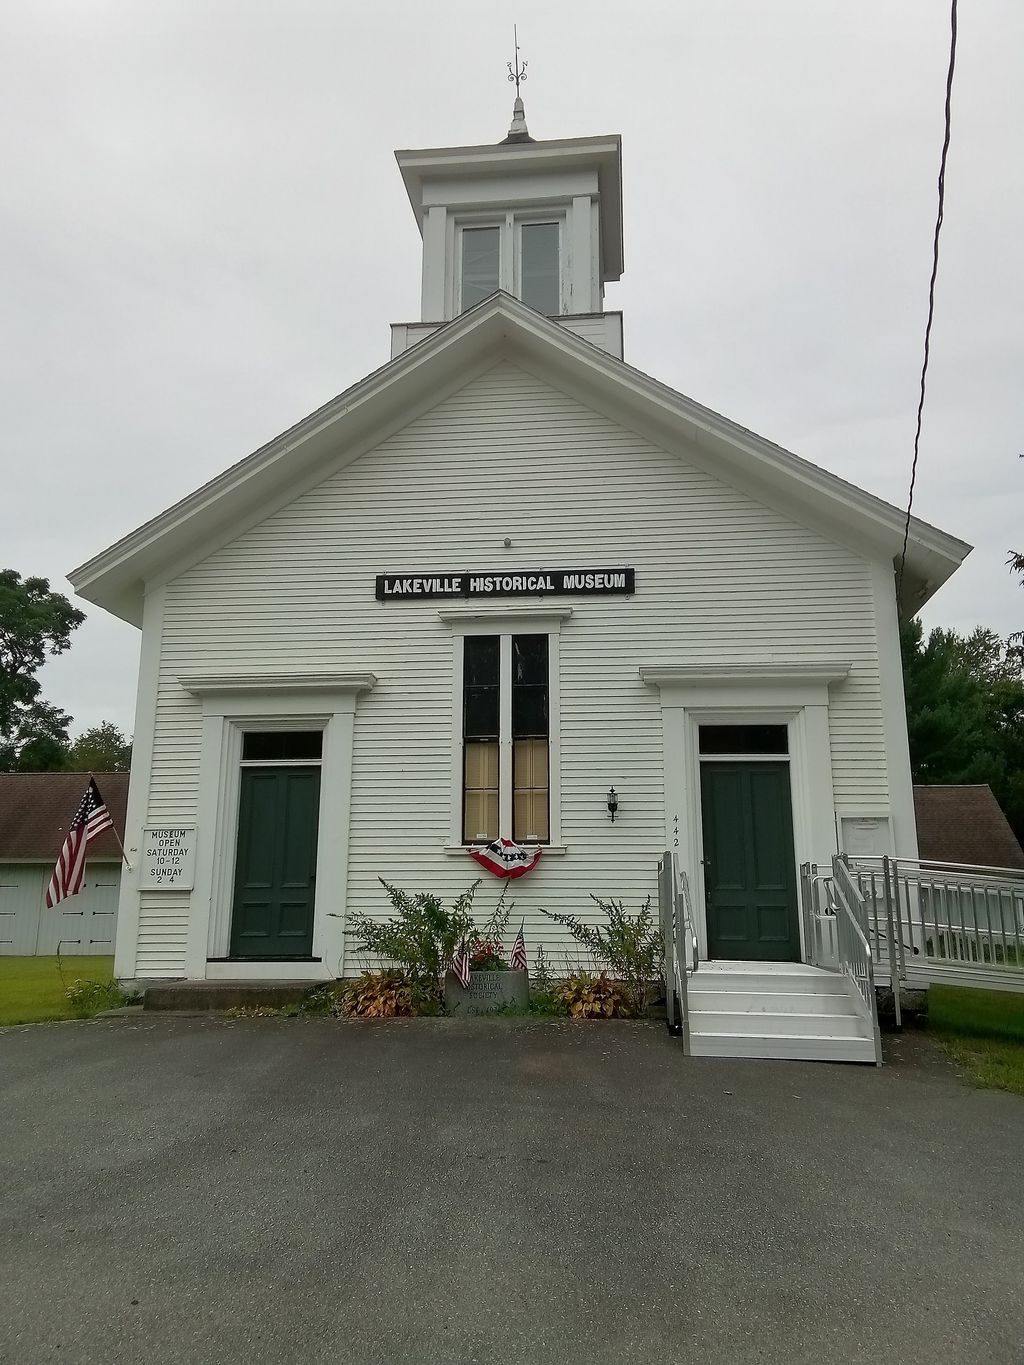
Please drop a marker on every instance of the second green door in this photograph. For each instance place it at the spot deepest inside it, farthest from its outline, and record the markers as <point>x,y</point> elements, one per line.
<point>749,864</point>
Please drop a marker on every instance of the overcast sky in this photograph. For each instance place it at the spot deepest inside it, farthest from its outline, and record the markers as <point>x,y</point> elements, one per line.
<point>204,236</point>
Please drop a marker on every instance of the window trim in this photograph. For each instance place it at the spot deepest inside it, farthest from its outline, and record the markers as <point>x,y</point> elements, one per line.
<point>545,621</point>
<point>522,220</point>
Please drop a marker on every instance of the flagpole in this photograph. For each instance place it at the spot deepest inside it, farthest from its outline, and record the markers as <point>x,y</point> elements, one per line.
<point>113,827</point>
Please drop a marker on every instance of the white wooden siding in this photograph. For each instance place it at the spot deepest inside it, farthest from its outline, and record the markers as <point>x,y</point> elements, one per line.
<point>720,578</point>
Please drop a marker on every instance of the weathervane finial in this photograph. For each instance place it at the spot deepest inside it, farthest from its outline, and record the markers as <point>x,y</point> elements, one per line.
<point>518,132</point>
<point>516,72</point>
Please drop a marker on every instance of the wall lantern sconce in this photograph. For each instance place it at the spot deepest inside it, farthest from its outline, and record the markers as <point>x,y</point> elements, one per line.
<point>613,803</point>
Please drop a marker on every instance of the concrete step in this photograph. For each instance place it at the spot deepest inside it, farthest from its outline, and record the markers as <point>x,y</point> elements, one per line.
<point>808,1048</point>
<point>786,1025</point>
<point>224,995</point>
<point>747,1002</point>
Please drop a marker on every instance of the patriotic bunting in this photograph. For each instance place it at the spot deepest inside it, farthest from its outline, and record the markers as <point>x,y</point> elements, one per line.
<point>506,859</point>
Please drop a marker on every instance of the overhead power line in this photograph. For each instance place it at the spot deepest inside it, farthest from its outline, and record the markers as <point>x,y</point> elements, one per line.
<point>931,290</point>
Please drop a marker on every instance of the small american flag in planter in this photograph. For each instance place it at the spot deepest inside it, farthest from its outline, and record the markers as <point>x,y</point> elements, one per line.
<point>460,966</point>
<point>519,951</point>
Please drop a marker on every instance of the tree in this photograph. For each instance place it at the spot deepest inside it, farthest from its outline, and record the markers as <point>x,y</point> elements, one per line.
<point>39,742</point>
<point>102,749</point>
<point>965,712</point>
<point>1015,564</point>
<point>34,623</point>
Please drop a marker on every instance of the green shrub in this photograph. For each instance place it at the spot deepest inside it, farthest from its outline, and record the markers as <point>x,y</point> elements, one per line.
<point>86,998</point>
<point>321,1001</point>
<point>540,977</point>
<point>545,1002</point>
<point>585,996</point>
<point>630,947</point>
<point>422,935</point>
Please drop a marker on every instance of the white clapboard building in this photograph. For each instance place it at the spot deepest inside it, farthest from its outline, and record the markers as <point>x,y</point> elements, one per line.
<point>498,579</point>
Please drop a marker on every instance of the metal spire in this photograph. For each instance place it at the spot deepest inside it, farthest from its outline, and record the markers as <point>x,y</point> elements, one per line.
<point>518,131</point>
<point>517,73</point>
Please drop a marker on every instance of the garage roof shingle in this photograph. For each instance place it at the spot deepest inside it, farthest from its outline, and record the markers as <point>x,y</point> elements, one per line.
<point>965,824</point>
<point>37,808</point>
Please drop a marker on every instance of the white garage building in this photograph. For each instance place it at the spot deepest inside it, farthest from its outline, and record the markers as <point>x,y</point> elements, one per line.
<point>35,811</point>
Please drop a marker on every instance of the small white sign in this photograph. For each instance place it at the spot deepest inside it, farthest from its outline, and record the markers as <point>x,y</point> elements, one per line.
<point>866,836</point>
<point>168,857</point>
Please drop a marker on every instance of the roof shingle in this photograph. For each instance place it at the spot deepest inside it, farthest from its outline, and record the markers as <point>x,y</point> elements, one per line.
<point>36,809</point>
<point>964,824</point>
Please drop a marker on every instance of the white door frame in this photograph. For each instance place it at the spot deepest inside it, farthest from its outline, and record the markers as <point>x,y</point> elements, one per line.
<point>795,695</point>
<point>232,705</point>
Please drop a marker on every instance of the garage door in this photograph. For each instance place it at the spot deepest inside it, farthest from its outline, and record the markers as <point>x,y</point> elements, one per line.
<point>85,923</point>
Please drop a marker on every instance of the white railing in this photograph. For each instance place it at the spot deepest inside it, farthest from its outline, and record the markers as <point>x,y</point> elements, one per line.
<point>945,921</point>
<point>926,921</point>
<point>680,940</point>
<point>853,951</point>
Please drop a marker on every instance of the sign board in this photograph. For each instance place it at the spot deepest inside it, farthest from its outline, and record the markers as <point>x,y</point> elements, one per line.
<point>521,583</point>
<point>167,858</point>
<point>866,836</point>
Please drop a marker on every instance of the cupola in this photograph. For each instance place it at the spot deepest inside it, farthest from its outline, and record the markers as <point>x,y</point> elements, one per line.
<point>541,220</point>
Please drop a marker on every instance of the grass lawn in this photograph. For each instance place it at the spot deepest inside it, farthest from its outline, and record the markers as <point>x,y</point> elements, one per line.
<point>983,1032</point>
<point>31,988</point>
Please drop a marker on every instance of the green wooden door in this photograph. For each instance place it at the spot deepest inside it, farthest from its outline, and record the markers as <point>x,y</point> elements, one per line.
<point>275,868</point>
<point>749,865</point>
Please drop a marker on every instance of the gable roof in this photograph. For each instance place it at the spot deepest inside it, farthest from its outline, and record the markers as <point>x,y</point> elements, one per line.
<point>387,400</point>
<point>965,824</point>
<point>36,809</point>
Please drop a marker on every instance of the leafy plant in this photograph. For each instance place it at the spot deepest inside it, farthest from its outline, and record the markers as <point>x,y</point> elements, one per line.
<point>321,1001</point>
<point>422,935</point>
<point>629,946</point>
<point>541,977</point>
<point>585,996</point>
<point>545,1002</point>
<point>385,995</point>
<point>86,998</point>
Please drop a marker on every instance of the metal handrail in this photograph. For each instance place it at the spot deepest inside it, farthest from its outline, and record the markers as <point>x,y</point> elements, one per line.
<point>681,943</point>
<point>853,947</point>
<point>1009,874</point>
<point>686,909</point>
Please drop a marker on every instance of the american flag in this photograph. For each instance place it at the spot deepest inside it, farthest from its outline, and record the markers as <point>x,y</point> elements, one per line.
<point>519,951</point>
<point>91,818</point>
<point>460,966</point>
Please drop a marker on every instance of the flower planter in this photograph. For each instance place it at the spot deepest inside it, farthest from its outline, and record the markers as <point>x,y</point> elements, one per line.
<point>486,991</point>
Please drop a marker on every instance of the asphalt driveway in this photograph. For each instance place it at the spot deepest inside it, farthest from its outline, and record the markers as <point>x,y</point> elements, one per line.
<point>192,1189</point>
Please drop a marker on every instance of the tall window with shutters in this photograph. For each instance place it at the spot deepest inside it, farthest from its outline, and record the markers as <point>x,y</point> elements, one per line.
<point>506,738</point>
